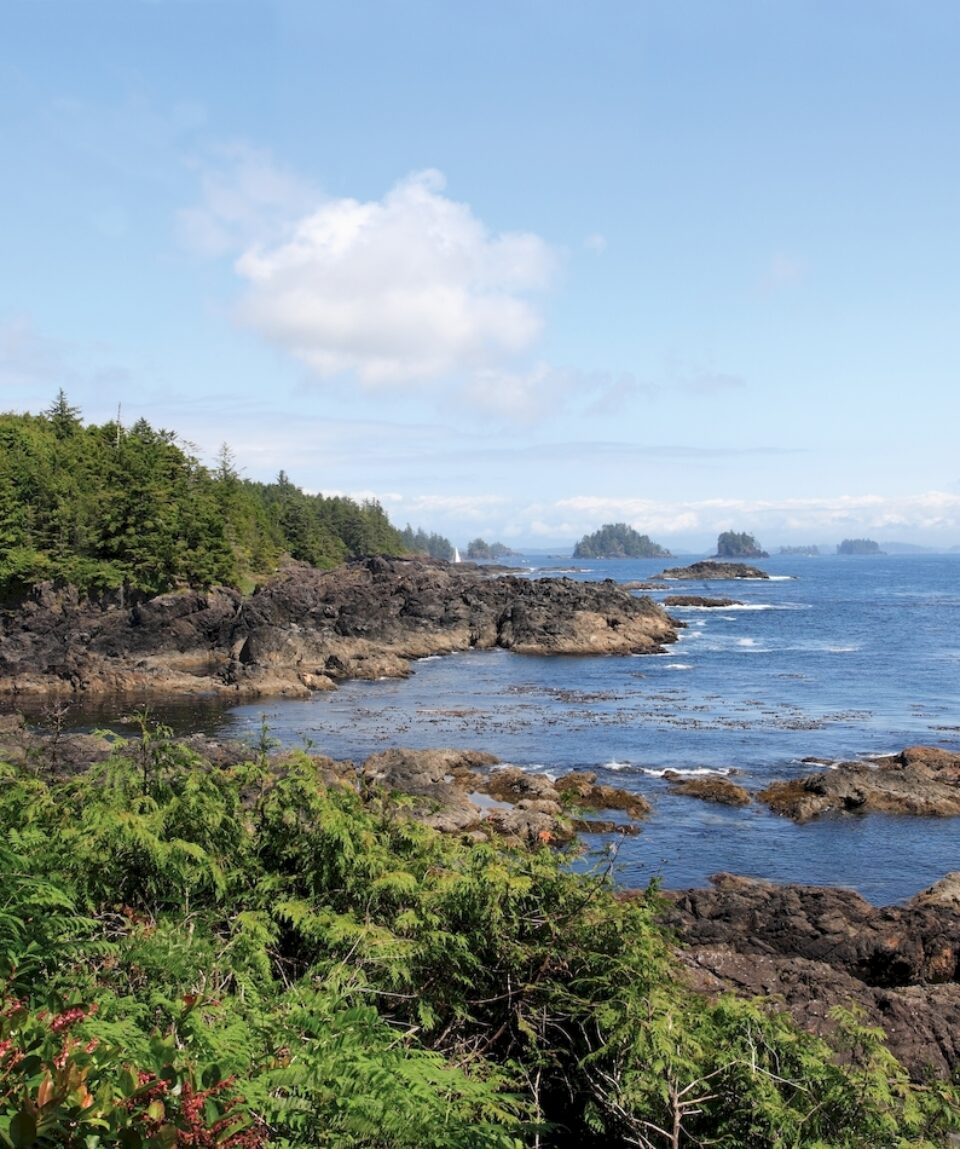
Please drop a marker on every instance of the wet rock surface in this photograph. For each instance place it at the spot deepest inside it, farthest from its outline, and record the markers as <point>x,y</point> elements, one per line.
<point>307,629</point>
<point>713,569</point>
<point>818,947</point>
<point>710,789</point>
<point>920,780</point>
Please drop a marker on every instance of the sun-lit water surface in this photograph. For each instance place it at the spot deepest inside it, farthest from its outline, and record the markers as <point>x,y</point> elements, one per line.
<point>850,656</point>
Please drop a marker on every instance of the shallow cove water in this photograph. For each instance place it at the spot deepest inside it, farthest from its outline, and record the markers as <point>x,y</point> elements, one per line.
<point>836,657</point>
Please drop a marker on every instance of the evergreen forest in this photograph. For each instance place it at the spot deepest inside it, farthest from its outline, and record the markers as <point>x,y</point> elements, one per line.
<point>110,507</point>
<point>739,545</point>
<point>618,541</point>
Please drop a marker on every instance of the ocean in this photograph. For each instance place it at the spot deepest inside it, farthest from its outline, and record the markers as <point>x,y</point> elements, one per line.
<point>836,657</point>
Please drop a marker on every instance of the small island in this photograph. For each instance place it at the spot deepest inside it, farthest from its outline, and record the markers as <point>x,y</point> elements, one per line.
<point>858,547</point>
<point>618,541</point>
<point>480,549</point>
<point>738,545</point>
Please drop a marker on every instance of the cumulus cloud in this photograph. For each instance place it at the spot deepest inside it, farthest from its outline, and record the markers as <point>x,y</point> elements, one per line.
<point>409,289</point>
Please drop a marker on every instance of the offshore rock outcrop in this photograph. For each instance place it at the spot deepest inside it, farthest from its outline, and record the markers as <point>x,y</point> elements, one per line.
<point>699,600</point>
<point>818,947</point>
<point>920,780</point>
<point>306,629</point>
<point>712,569</point>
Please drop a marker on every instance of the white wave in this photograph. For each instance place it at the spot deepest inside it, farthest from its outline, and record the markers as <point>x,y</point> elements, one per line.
<point>529,768</point>
<point>840,649</point>
<point>679,666</point>
<point>615,765</point>
<point>782,578</point>
<point>429,658</point>
<point>695,771</point>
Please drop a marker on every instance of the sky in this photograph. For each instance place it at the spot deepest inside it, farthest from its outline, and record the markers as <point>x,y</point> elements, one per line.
<point>514,269</point>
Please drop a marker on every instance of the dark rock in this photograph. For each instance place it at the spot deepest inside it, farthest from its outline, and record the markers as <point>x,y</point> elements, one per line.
<point>921,780</point>
<point>698,600</point>
<point>307,629</point>
<point>817,947</point>
<point>710,569</point>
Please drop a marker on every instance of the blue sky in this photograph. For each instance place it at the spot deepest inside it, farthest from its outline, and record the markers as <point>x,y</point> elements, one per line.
<point>515,269</point>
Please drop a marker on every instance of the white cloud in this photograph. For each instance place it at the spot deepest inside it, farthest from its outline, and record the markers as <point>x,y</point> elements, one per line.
<point>930,513</point>
<point>245,198</point>
<point>409,289</point>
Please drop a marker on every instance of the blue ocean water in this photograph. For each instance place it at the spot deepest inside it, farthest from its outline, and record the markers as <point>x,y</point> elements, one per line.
<point>835,657</point>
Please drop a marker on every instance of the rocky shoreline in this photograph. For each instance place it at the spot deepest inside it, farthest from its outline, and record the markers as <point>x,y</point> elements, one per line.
<point>809,948</point>
<point>306,630</point>
<point>814,948</point>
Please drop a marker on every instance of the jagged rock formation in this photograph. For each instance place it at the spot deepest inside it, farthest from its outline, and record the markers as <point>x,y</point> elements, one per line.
<point>306,629</point>
<point>815,948</point>
<point>922,780</point>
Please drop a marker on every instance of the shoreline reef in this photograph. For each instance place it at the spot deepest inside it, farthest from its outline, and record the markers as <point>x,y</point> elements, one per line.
<point>307,629</point>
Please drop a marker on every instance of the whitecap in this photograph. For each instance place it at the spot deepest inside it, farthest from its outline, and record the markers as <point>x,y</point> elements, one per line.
<point>615,765</point>
<point>679,666</point>
<point>692,772</point>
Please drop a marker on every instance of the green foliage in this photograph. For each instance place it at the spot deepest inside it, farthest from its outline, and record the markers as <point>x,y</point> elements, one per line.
<point>300,962</point>
<point>112,508</point>
<point>738,545</point>
<point>481,549</point>
<point>57,1088</point>
<point>420,543</point>
<point>618,541</point>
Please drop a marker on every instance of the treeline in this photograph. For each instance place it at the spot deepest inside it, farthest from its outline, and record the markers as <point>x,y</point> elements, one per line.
<point>858,547</point>
<point>259,955</point>
<point>422,543</point>
<point>739,545</point>
<point>482,550</point>
<point>105,507</point>
<point>618,541</point>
